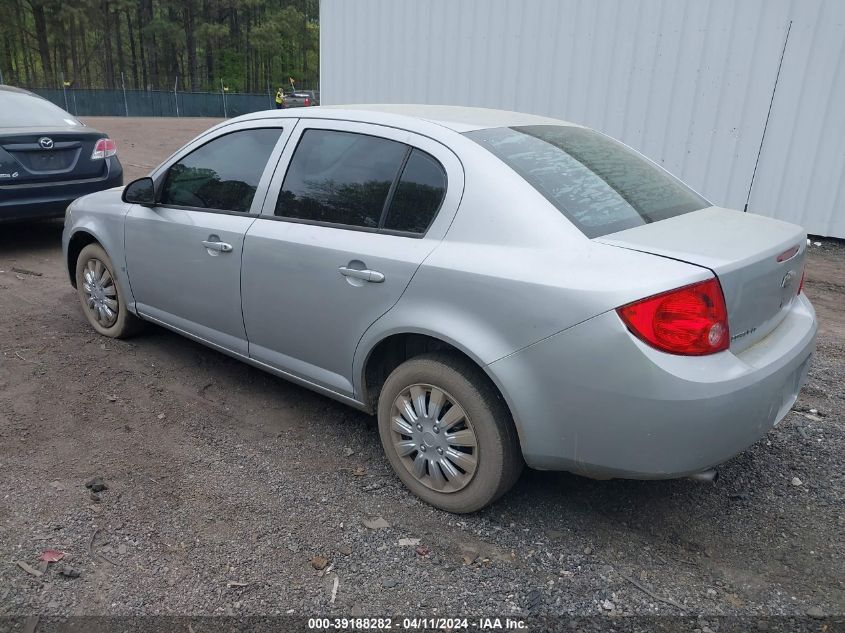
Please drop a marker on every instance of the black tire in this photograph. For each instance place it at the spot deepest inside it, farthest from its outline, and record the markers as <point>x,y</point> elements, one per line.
<point>499,458</point>
<point>126,324</point>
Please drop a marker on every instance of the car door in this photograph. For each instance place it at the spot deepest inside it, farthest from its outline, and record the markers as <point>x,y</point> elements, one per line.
<point>351,213</point>
<point>183,255</point>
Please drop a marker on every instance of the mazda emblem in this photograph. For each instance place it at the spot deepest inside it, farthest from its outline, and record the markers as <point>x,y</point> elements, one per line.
<point>46,142</point>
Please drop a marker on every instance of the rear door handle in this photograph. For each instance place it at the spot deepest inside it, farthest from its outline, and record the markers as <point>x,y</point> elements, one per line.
<point>222,247</point>
<point>373,276</point>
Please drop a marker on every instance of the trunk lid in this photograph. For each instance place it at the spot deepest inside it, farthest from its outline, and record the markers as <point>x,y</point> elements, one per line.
<point>60,154</point>
<point>755,259</point>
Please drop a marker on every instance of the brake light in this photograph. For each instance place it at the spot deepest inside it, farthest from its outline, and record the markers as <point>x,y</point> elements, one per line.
<point>105,147</point>
<point>690,321</point>
<point>789,254</point>
<point>307,101</point>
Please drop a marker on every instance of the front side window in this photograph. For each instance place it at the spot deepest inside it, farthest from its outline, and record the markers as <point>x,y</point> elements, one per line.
<point>223,174</point>
<point>340,178</point>
<point>600,185</point>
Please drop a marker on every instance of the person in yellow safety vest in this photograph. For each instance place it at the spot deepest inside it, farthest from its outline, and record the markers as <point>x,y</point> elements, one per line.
<point>280,99</point>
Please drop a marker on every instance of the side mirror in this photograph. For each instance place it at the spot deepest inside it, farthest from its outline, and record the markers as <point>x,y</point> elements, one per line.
<point>141,191</point>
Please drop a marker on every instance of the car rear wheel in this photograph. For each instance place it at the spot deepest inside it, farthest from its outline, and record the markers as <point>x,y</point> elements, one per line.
<point>101,296</point>
<point>447,433</point>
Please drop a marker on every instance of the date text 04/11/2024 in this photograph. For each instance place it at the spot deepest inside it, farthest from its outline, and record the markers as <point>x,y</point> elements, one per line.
<point>417,624</point>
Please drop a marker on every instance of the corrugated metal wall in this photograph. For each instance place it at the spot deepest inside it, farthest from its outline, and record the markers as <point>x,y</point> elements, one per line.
<point>687,82</point>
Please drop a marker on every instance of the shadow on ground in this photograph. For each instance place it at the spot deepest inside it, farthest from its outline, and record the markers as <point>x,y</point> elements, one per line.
<point>30,237</point>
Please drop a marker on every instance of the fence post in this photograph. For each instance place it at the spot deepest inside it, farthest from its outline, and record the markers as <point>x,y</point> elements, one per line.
<point>125,102</point>
<point>1,76</point>
<point>223,92</point>
<point>64,90</point>
<point>176,94</point>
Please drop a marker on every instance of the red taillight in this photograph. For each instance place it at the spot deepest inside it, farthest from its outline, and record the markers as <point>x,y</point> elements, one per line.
<point>105,147</point>
<point>691,321</point>
<point>789,254</point>
<point>307,101</point>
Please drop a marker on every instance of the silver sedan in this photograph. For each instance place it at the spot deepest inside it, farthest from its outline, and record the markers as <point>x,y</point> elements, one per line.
<point>498,288</point>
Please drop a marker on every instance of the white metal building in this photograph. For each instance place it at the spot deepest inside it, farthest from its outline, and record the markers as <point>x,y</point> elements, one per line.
<point>743,99</point>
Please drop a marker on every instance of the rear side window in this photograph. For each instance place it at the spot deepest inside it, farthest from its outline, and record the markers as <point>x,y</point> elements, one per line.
<point>24,110</point>
<point>418,194</point>
<point>600,185</point>
<point>340,178</point>
<point>223,174</point>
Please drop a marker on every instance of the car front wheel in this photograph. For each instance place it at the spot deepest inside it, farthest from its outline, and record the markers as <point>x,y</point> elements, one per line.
<point>447,433</point>
<point>101,296</point>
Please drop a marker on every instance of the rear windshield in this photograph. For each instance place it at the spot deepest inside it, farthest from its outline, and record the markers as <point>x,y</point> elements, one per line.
<point>600,185</point>
<point>23,110</point>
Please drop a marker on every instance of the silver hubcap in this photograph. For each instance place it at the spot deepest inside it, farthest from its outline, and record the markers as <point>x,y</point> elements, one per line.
<point>434,438</point>
<point>100,292</point>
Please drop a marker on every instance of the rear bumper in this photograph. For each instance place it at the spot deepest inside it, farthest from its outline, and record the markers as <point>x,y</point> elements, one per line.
<point>597,401</point>
<point>49,200</point>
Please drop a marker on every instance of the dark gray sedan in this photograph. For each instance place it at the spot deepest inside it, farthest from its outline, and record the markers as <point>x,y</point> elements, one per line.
<point>301,99</point>
<point>48,158</point>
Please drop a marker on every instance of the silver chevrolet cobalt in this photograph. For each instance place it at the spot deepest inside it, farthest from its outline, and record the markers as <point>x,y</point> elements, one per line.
<point>498,288</point>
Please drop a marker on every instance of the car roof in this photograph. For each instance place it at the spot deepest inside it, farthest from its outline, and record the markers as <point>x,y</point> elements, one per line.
<point>457,118</point>
<point>5,88</point>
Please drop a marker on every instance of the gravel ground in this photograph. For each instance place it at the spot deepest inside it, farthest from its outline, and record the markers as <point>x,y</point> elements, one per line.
<point>234,492</point>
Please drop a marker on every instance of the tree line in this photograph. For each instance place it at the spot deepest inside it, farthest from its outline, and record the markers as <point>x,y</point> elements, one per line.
<point>247,45</point>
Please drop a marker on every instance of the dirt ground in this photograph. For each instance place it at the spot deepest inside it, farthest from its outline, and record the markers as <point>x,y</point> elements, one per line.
<point>143,143</point>
<point>234,492</point>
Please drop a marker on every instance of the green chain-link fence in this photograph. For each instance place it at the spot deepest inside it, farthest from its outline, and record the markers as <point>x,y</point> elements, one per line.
<point>97,102</point>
